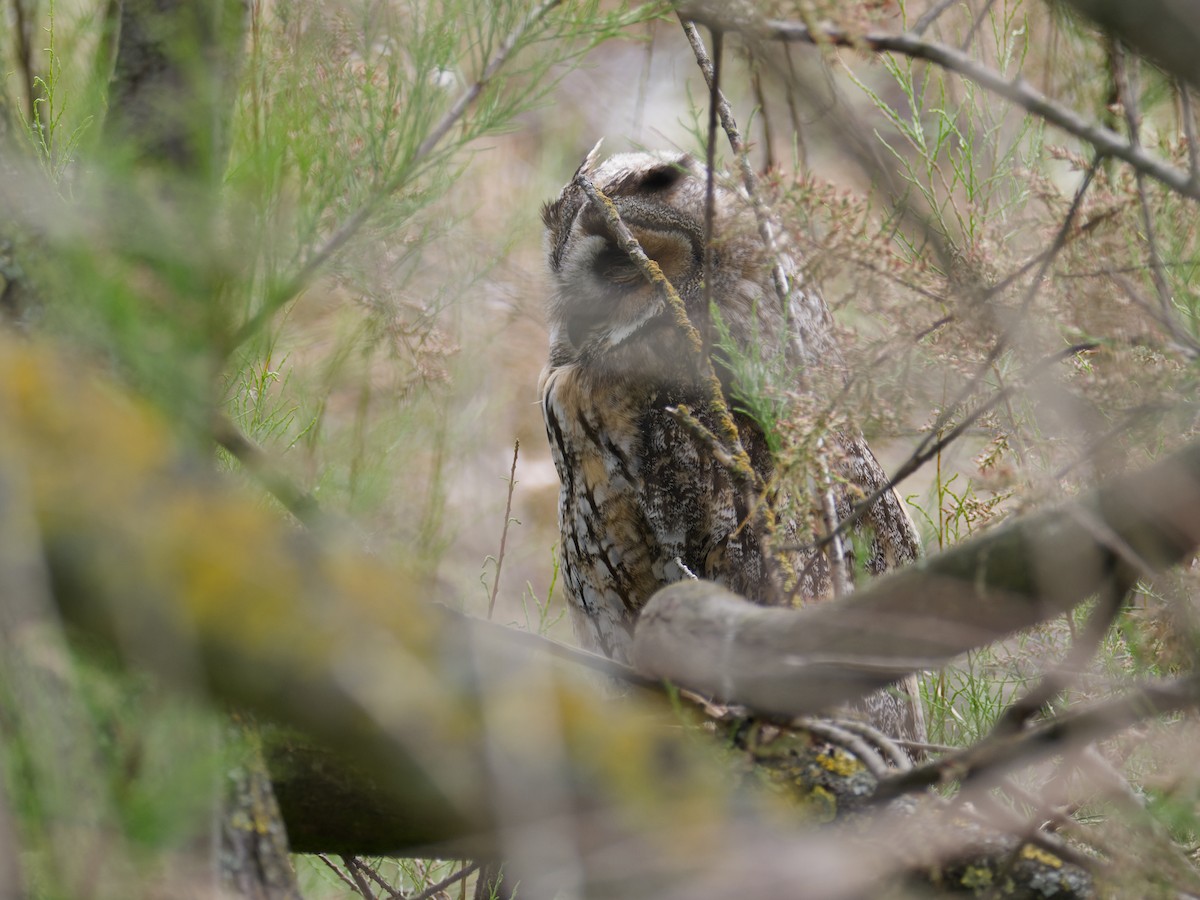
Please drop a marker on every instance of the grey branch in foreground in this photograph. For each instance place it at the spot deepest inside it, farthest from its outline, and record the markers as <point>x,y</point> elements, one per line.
<point>460,736</point>
<point>794,662</point>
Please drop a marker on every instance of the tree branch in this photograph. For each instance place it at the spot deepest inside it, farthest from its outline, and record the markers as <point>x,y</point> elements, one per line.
<point>1105,141</point>
<point>791,662</point>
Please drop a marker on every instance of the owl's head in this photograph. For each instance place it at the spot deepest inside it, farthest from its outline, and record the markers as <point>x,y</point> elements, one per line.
<point>603,313</point>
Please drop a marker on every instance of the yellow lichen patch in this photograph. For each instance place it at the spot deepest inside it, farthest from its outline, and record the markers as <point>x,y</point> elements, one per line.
<point>233,576</point>
<point>821,804</point>
<point>976,877</point>
<point>78,444</point>
<point>839,763</point>
<point>1037,854</point>
<point>383,593</point>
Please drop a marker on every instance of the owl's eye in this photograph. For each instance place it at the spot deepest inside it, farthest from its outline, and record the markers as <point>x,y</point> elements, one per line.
<point>661,177</point>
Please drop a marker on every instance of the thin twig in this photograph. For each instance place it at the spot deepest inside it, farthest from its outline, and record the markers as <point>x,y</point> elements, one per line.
<point>762,215</point>
<point>371,873</point>
<point>930,16</point>
<point>991,759</point>
<point>351,226</point>
<point>855,744</point>
<point>684,416</point>
<point>889,746</point>
<point>710,196</point>
<point>257,462</point>
<point>23,28</point>
<point>764,114</point>
<point>997,816</point>
<point>1105,141</point>
<point>928,451</point>
<point>1085,646</point>
<point>1104,440</point>
<point>566,652</point>
<point>974,29</point>
<point>1182,340</point>
<point>1189,127</point>
<point>835,551</point>
<point>433,889</point>
<point>512,483</point>
<point>337,870</point>
<point>1125,77</point>
<point>353,866</point>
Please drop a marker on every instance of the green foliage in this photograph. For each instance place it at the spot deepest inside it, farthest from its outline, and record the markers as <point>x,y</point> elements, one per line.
<point>959,154</point>
<point>756,379</point>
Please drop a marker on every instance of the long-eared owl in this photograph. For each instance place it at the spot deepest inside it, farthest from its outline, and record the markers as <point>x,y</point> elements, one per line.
<point>644,500</point>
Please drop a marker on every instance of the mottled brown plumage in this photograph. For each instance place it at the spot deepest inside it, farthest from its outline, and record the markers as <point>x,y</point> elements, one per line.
<point>644,502</point>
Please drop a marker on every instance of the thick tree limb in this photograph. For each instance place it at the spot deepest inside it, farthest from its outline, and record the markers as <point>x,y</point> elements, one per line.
<point>462,740</point>
<point>793,662</point>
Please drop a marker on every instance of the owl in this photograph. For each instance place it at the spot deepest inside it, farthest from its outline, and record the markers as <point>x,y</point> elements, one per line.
<point>645,501</point>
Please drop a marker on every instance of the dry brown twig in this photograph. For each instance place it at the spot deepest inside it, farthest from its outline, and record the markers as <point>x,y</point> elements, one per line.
<point>719,107</point>
<point>929,448</point>
<point>512,483</point>
<point>337,870</point>
<point>357,871</point>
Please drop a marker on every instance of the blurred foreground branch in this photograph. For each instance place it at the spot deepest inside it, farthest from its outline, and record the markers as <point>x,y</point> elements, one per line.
<point>465,740</point>
<point>793,662</point>
<point>1166,31</point>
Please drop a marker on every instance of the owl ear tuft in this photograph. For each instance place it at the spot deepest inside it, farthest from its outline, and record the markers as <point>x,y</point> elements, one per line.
<point>589,161</point>
<point>662,177</point>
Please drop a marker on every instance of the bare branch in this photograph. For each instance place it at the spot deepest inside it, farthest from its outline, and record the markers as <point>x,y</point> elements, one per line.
<point>1125,76</point>
<point>762,215</point>
<point>988,761</point>
<point>512,483</point>
<point>930,448</point>
<point>791,662</point>
<point>930,16</point>
<point>1105,141</point>
<point>450,879</point>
